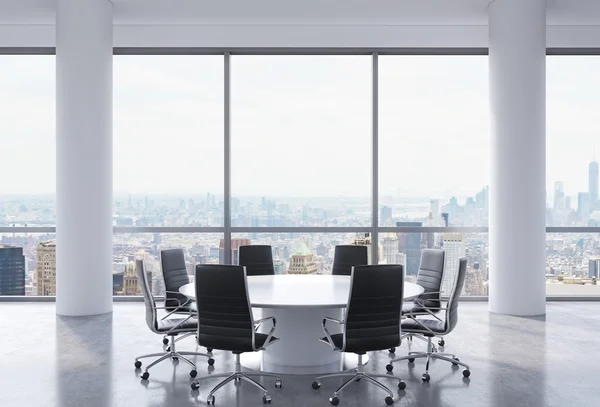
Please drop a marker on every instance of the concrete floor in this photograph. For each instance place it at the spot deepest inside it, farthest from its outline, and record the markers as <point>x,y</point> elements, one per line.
<point>47,360</point>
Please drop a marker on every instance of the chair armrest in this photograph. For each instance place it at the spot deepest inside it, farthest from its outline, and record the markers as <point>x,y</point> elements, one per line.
<point>178,325</point>
<point>269,335</point>
<point>328,335</point>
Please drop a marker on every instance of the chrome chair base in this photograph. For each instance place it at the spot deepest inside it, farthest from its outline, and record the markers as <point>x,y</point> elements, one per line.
<point>171,353</point>
<point>357,375</point>
<point>237,376</point>
<point>430,354</point>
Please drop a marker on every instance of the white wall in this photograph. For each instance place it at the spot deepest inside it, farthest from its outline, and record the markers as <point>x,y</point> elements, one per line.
<point>234,36</point>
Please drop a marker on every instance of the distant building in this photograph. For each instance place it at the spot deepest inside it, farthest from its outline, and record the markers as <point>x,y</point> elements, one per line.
<point>12,270</point>
<point>385,216</point>
<point>235,250</point>
<point>279,266</point>
<point>593,185</point>
<point>46,268</point>
<point>302,262</point>
<point>364,239</point>
<point>454,245</point>
<point>474,283</point>
<point>594,268</point>
<point>389,243</point>
<point>583,206</point>
<point>131,284</point>
<point>410,243</point>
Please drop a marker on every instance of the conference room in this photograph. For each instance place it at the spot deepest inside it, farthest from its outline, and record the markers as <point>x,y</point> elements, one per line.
<point>351,203</point>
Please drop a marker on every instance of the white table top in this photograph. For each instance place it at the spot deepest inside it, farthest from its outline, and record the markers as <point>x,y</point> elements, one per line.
<point>297,290</point>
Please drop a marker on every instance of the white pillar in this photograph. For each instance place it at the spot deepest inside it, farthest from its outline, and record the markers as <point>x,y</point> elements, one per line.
<point>83,157</point>
<point>518,157</point>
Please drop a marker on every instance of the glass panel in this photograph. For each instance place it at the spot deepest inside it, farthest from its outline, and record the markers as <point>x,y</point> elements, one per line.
<point>27,140</point>
<point>198,249</point>
<point>299,253</point>
<point>27,264</point>
<point>572,264</point>
<point>433,140</point>
<point>572,148</point>
<point>168,140</point>
<point>301,140</point>
<point>406,249</point>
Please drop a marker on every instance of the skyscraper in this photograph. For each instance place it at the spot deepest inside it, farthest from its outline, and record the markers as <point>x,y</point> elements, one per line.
<point>12,270</point>
<point>583,206</point>
<point>454,245</point>
<point>235,249</point>
<point>385,217</point>
<point>46,268</point>
<point>410,243</point>
<point>593,185</point>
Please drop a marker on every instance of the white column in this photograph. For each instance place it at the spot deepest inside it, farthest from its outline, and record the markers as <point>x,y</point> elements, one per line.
<point>518,157</point>
<point>83,157</point>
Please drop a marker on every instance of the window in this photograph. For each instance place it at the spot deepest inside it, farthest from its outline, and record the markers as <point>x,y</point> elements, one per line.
<point>433,140</point>
<point>27,137</point>
<point>301,131</point>
<point>168,140</point>
<point>572,146</point>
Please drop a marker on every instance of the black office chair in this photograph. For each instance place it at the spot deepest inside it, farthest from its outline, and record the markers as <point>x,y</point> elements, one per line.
<point>225,322</point>
<point>347,256</point>
<point>372,322</point>
<point>171,327</point>
<point>429,276</point>
<point>436,327</point>
<point>172,262</point>
<point>257,259</point>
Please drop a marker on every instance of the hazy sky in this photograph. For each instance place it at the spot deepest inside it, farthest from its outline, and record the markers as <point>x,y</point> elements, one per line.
<point>301,125</point>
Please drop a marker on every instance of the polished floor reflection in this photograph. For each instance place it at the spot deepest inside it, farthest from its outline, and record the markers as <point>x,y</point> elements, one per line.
<point>47,360</point>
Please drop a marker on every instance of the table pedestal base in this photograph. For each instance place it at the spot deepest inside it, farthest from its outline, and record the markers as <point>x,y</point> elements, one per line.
<point>299,350</point>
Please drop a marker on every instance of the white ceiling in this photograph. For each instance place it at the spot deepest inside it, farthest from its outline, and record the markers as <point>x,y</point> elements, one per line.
<point>336,12</point>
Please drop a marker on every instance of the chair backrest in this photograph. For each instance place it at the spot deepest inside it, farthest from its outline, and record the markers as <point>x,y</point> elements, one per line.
<point>224,312</point>
<point>347,256</point>
<point>257,259</point>
<point>374,306</point>
<point>430,276</point>
<point>459,282</point>
<point>175,274</point>
<point>151,316</point>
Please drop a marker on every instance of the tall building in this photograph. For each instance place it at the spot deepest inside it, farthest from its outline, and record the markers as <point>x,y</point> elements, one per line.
<point>410,243</point>
<point>279,266</point>
<point>594,268</point>
<point>559,196</point>
<point>454,245</point>
<point>593,185</point>
<point>131,284</point>
<point>364,239</point>
<point>46,268</point>
<point>302,262</point>
<point>235,250</point>
<point>389,242</point>
<point>583,206</point>
<point>12,270</point>
<point>385,216</point>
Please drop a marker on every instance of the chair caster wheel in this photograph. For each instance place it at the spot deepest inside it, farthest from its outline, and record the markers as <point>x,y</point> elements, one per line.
<point>426,377</point>
<point>389,367</point>
<point>392,350</point>
<point>441,342</point>
<point>401,385</point>
<point>389,401</point>
<point>334,400</point>
<point>165,341</point>
<point>278,384</point>
<point>316,385</point>
<point>138,364</point>
<point>145,376</point>
<point>455,364</point>
<point>196,386</point>
<point>168,349</point>
<point>266,399</point>
<point>411,360</point>
<point>211,361</point>
<point>193,373</point>
<point>210,400</point>
<point>466,373</point>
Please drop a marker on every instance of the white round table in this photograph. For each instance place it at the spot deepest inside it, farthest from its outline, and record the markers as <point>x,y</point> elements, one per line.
<point>299,303</point>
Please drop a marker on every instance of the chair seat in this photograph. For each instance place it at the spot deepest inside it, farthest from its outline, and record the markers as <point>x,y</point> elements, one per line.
<point>235,344</point>
<point>363,345</point>
<point>415,308</point>
<point>167,324</point>
<point>412,326</point>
